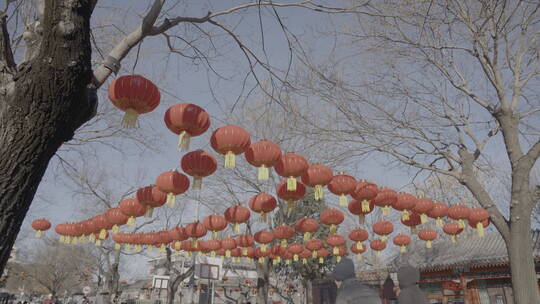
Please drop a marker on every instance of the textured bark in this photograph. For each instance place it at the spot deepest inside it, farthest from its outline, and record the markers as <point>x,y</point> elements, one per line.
<point>51,99</point>
<point>308,291</point>
<point>263,282</point>
<point>113,278</point>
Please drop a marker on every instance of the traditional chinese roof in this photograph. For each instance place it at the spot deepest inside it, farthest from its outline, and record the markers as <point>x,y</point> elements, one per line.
<point>470,250</point>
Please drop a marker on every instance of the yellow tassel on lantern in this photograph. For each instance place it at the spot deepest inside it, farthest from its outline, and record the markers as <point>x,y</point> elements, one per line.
<point>274,262</point>
<point>333,228</point>
<point>423,218</point>
<point>439,222</point>
<point>214,235</point>
<point>171,199</point>
<point>189,254</point>
<point>290,206</point>
<point>227,253</point>
<point>138,248</point>
<point>480,229</point>
<point>314,254</point>
<point>278,259</point>
<point>177,246</point>
<point>244,251</point>
<point>359,246</point>
<point>335,250</point>
<point>149,248</point>
<point>183,141</point>
<point>38,233</point>
<point>461,224</point>
<point>236,228</point>
<point>115,229</point>
<point>406,215</point>
<point>194,244</point>
<point>283,243</point>
<point>127,246</point>
<point>287,261</point>
<point>248,260</point>
<point>230,160</point>
<point>384,238</point>
<point>263,173</point>
<point>338,258</point>
<point>386,211</point>
<point>67,240</point>
<point>263,248</point>
<point>74,241</point>
<point>82,239</point>
<point>291,183</point>
<point>213,254</point>
<point>402,249</point>
<point>197,183</point>
<point>359,257</point>
<point>261,260</point>
<point>343,200</point>
<point>162,248</point>
<point>117,246</point>
<point>321,260</point>
<point>428,244</point>
<point>131,221</point>
<point>102,234</point>
<point>453,238</point>
<point>295,257</point>
<point>304,261</point>
<point>130,119</point>
<point>98,243</point>
<point>365,206</point>
<point>319,192</point>
<point>307,236</point>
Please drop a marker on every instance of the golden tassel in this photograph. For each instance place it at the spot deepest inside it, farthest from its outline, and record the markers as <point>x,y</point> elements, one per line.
<point>213,254</point>
<point>230,160</point>
<point>194,244</point>
<point>274,262</point>
<point>38,234</point>
<point>149,248</point>
<point>117,246</point>
<point>102,234</point>
<point>244,251</point>
<point>319,192</point>
<point>263,173</point>
<point>333,228</point>
<point>130,119</point>
<point>287,261</point>
<point>127,246</point>
<point>295,257</point>
<point>177,245</point>
<point>98,243</point>
<point>335,250</point>
<point>480,229</point>
<point>236,228</point>
<point>338,258</point>
<point>291,183</point>
<point>359,246</point>
<point>227,253</point>
<point>304,261</point>
<point>283,243</point>
<point>423,218</point>
<point>321,260</point>
<point>365,206</point>
<point>386,211</point>
<point>183,141</point>
<point>307,236</point>
<point>171,200</point>
<point>461,224</point>
<point>214,235</point>
<point>406,215</point>
<point>162,248</point>
<point>138,248</point>
<point>92,237</point>
<point>248,260</point>
<point>74,241</point>
<point>453,238</point>
<point>428,244</point>
<point>402,249</point>
<point>131,221</point>
<point>439,222</point>
<point>384,238</point>
<point>115,229</point>
<point>82,239</point>
<point>263,248</point>
<point>68,240</point>
<point>343,200</point>
<point>261,260</point>
<point>314,254</point>
<point>279,259</point>
<point>290,206</point>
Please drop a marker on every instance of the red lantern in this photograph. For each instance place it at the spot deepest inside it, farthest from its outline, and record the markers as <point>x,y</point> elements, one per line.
<point>358,250</point>
<point>341,251</point>
<point>459,213</point>
<point>378,246</point>
<point>228,244</point>
<point>134,95</point>
<point>116,217</point>
<point>230,141</point>
<point>237,215</point>
<point>307,226</point>
<point>263,155</point>
<point>291,166</point>
<point>365,192</point>
<point>215,223</point>
<point>213,246</point>
<point>453,230</point>
<point>198,164</point>
<point>383,228</point>
<point>356,207</point>
<point>358,236</point>
<point>413,221</point>
<point>195,231</point>
<point>422,207</point>
<point>402,240</point>
<point>335,241</point>
<point>295,249</point>
<point>133,208</point>
<point>317,176</point>
<point>178,234</point>
<point>173,183</point>
<point>262,203</point>
<point>245,241</point>
<point>261,254</point>
<point>342,185</point>
<point>484,223</point>
<point>439,211</point>
<point>314,245</point>
<point>322,253</point>
<point>283,233</point>
<point>304,255</point>
<point>152,198</point>
<point>291,196</point>
<point>405,202</point>
<point>385,199</point>
<point>40,225</point>
<point>476,218</point>
<point>332,218</point>
<point>264,237</point>
<point>428,235</point>
<point>186,120</point>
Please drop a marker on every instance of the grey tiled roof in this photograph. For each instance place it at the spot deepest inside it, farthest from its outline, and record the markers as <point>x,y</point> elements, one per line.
<point>470,249</point>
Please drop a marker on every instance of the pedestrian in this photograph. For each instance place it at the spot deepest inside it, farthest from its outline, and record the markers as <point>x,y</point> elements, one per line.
<point>388,293</point>
<point>350,290</point>
<point>409,291</point>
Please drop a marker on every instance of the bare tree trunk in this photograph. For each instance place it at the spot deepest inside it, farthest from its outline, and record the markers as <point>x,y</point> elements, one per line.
<point>263,282</point>
<point>113,278</point>
<point>51,99</point>
<point>308,291</point>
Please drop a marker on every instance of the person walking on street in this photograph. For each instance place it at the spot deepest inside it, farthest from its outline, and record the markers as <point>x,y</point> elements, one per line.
<point>350,290</point>
<point>409,291</point>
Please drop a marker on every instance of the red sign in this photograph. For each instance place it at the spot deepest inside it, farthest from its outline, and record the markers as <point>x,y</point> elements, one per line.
<point>451,286</point>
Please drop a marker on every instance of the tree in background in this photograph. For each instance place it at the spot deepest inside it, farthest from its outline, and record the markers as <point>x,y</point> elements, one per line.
<point>445,87</point>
